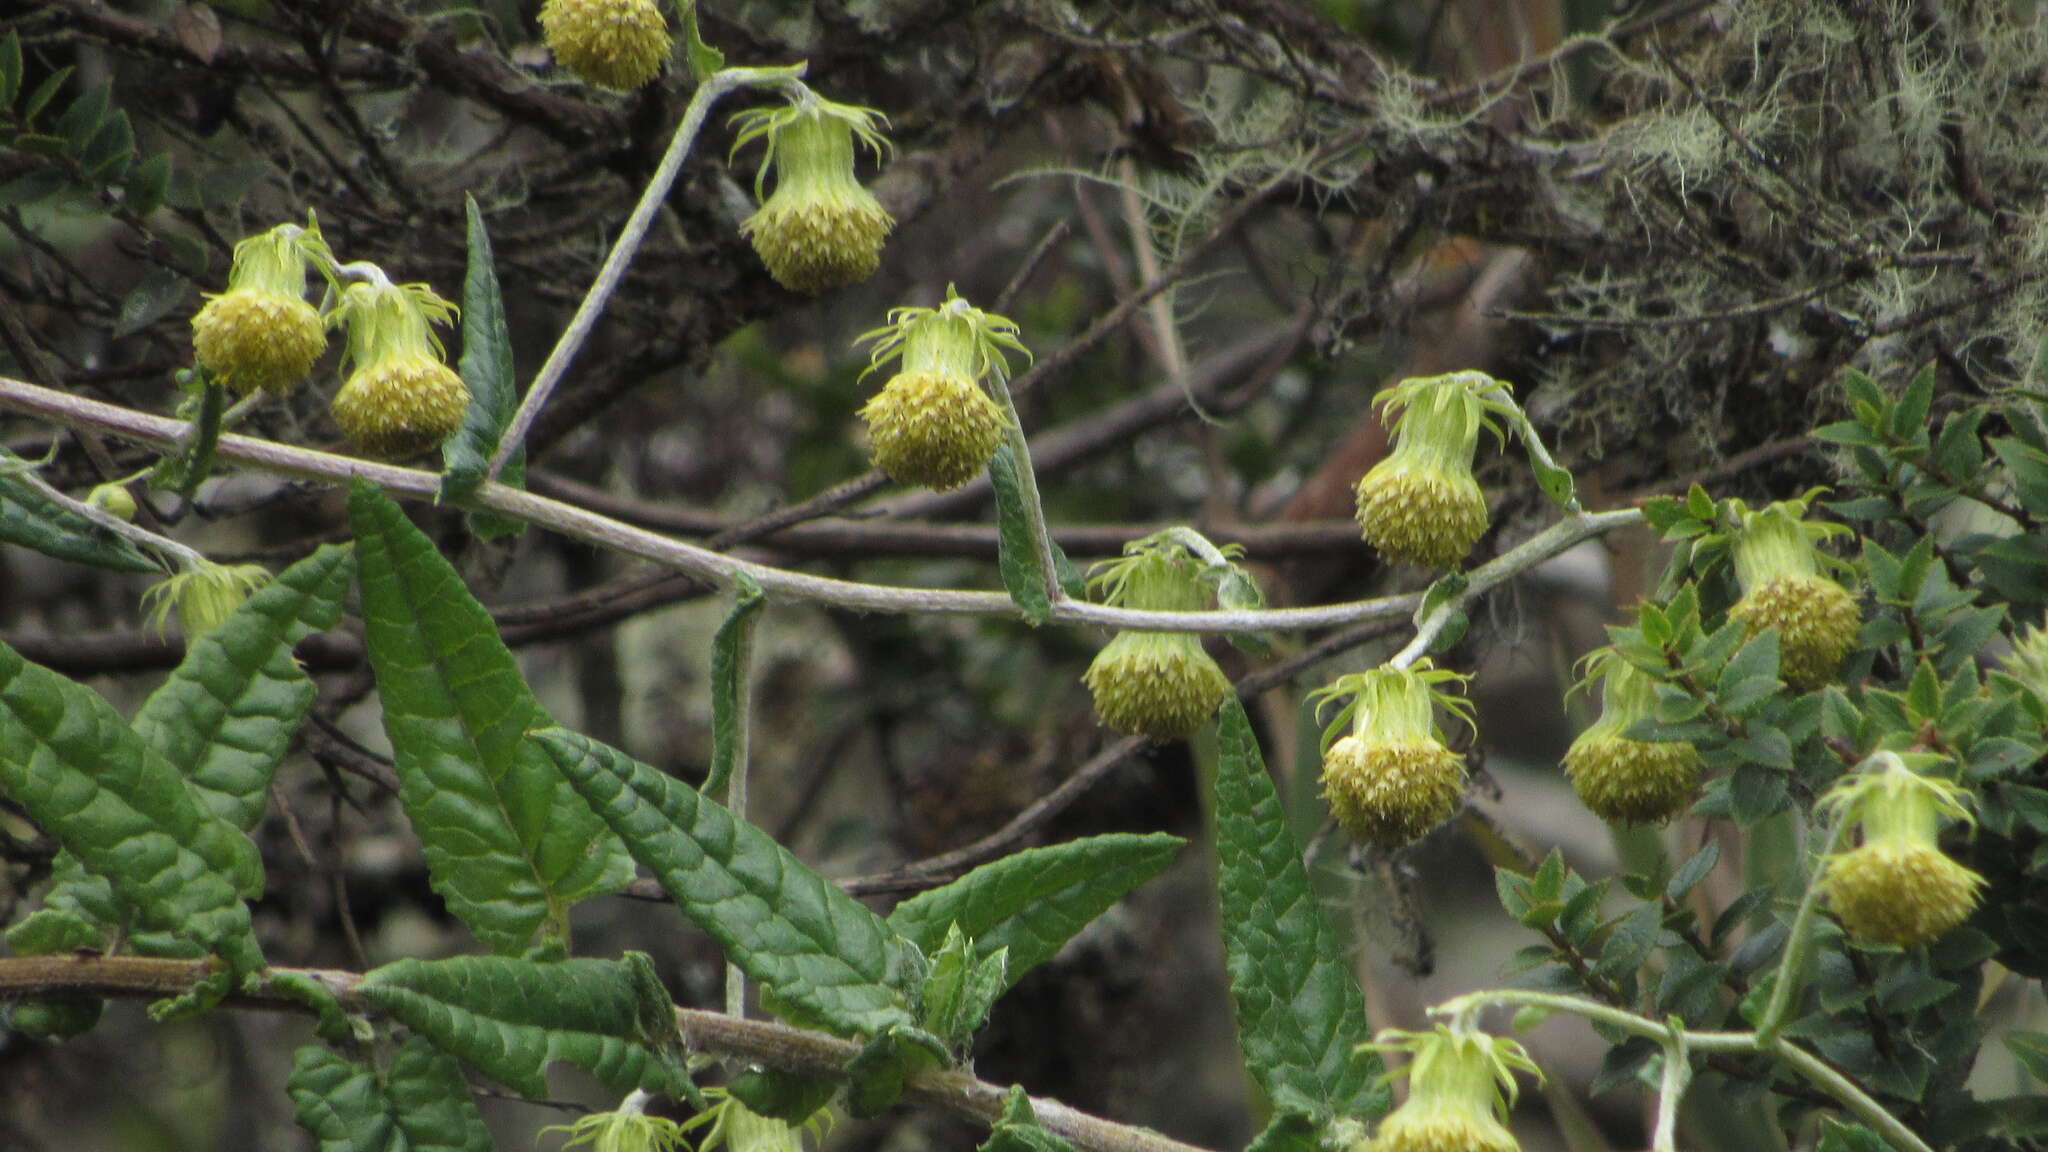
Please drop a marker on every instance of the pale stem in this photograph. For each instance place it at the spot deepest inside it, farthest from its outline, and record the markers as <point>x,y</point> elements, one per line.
<point>1799,945</point>
<point>736,783</point>
<point>1027,483</point>
<point>1677,1074</point>
<point>132,533</point>
<point>725,570</point>
<point>614,270</point>
<point>1858,1102</point>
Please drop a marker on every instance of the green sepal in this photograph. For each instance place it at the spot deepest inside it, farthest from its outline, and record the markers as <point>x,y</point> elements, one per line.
<point>781,1095</point>
<point>1018,1130</point>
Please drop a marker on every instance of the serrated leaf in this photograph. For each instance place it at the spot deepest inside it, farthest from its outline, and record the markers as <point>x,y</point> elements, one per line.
<point>1018,1129</point>
<point>728,666</point>
<point>423,1105</point>
<point>31,519</point>
<point>780,922</point>
<point>226,715</point>
<point>508,844</point>
<point>964,981</point>
<point>486,367</point>
<point>1693,871</point>
<point>511,1017</point>
<point>1909,416</point>
<point>1300,1014</point>
<point>83,117</point>
<point>1032,901</point>
<point>1016,555</point>
<point>87,778</point>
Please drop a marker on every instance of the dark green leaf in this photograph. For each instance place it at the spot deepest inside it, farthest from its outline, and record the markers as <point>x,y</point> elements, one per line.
<point>781,1095</point>
<point>486,367</point>
<point>87,778</point>
<point>874,1077</point>
<point>1300,1014</point>
<point>728,667</point>
<point>10,69</point>
<point>508,843</point>
<point>432,1103</point>
<point>1836,1136</point>
<point>965,980</point>
<point>1693,871</point>
<point>33,186</point>
<point>2031,1050</point>
<point>146,184</point>
<point>33,520</point>
<point>111,150</point>
<point>1031,902</point>
<point>781,923</point>
<point>186,471</point>
<point>511,1017</point>
<point>1909,417</point>
<point>1016,555</point>
<point>1286,1132</point>
<point>341,1103</point>
<point>44,93</point>
<point>83,117</point>
<point>2029,467</point>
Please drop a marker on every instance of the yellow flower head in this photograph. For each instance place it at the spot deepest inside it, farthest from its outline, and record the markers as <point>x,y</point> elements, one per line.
<point>1421,504</point>
<point>1387,773</point>
<point>1621,779</point>
<point>820,229</point>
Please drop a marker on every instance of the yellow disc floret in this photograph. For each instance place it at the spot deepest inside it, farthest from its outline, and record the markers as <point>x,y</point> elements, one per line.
<point>261,335</point>
<point>1625,780</point>
<point>820,229</point>
<point>1898,887</point>
<point>932,430</point>
<point>616,44</point>
<point>1421,505</point>
<point>1162,685</point>
<point>1387,774</point>
<point>400,398</point>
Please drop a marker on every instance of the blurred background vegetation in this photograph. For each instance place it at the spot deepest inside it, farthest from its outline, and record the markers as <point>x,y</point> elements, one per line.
<point>1669,224</point>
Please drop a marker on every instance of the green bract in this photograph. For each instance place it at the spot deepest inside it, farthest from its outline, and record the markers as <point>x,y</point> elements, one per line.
<point>261,333</point>
<point>1387,774</point>
<point>820,229</point>
<point>1461,1083</point>
<point>1421,504</point>
<point>1779,569</point>
<point>1159,685</point>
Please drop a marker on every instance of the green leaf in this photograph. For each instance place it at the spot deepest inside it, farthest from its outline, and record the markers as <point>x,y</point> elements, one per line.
<point>1032,901</point>
<point>2031,1050</point>
<point>226,715</point>
<point>486,368</point>
<point>728,667</point>
<point>111,150</point>
<point>1693,871</point>
<point>1016,555</point>
<point>31,519</point>
<point>511,1017</point>
<point>186,471</point>
<point>157,292</point>
<point>1300,1014</point>
<point>964,982</point>
<point>83,117</point>
<point>33,186</point>
<point>146,184</point>
<point>422,1106</point>
<point>705,61</point>
<point>87,778</point>
<point>781,1095</point>
<point>44,93</point>
<point>1909,418</point>
<point>1019,1131</point>
<point>874,1077</point>
<point>819,950</point>
<point>507,842</point>
<point>1287,1131</point>
<point>10,69</point>
<point>2029,467</point>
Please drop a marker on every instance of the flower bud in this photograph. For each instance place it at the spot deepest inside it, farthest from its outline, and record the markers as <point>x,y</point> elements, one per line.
<point>203,595</point>
<point>1779,569</point>
<point>820,229</point>
<point>933,424</point>
<point>1390,778</point>
<point>738,1128</point>
<point>623,1130</point>
<point>1461,1084</point>
<point>1159,685</point>
<point>400,399</point>
<point>1421,504</point>
<point>114,499</point>
<point>1898,887</point>
<point>261,333</point>
<point>615,44</point>
<point>1623,780</point>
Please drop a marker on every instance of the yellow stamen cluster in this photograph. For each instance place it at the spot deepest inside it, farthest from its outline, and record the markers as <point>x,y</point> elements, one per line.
<point>820,229</point>
<point>203,595</point>
<point>1387,774</point>
<point>615,44</point>
<point>261,335</point>
<point>1621,779</point>
<point>1421,504</point>
<point>401,399</point>
<point>1159,685</point>
<point>1779,569</point>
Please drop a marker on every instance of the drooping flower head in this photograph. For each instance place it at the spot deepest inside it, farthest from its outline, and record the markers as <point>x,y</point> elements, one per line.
<point>820,229</point>
<point>738,1128</point>
<point>1160,685</point>
<point>1621,779</point>
<point>1421,503</point>
<point>624,1130</point>
<point>1461,1083</point>
<point>203,594</point>
<point>2027,664</point>
<point>933,424</point>
<point>615,44</point>
<point>1779,569</point>
<point>261,333</point>
<point>1898,886</point>
<point>401,397</point>
<point>1387,773</point>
